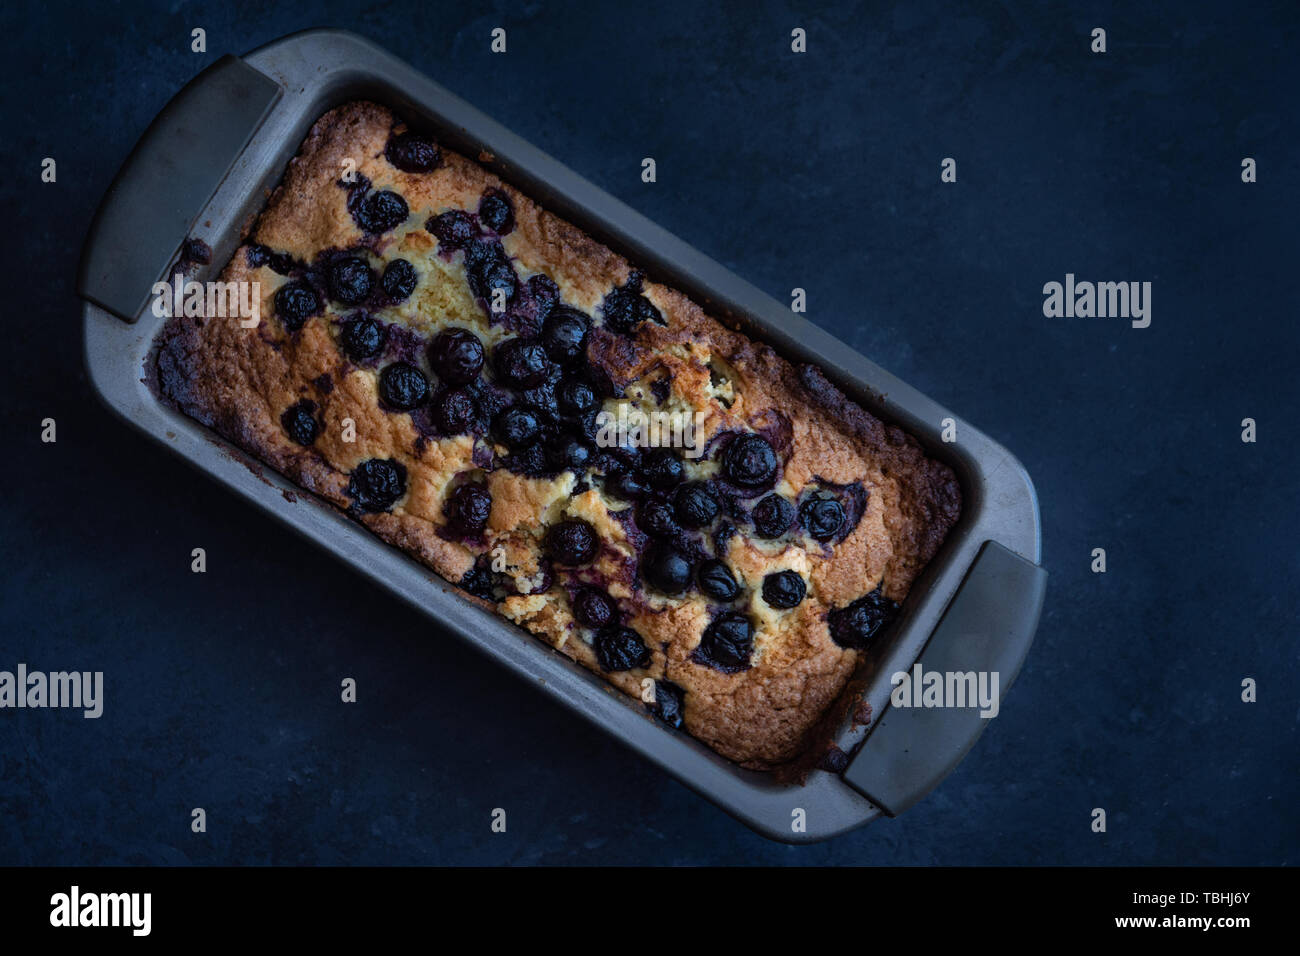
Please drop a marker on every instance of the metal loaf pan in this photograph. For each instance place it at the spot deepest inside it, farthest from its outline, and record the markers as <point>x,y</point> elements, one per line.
<point>203,169</point>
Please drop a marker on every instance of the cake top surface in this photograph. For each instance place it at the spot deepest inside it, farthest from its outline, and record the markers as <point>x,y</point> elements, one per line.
<point>484,385</point>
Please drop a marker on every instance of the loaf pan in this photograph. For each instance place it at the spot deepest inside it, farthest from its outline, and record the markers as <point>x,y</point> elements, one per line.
<point>203,169</point>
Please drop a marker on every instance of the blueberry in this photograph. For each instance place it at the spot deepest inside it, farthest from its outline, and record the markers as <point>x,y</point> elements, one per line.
<point>773,516</point>
<point>784,589</point>
<point>572,542</point>
<point>588,426</point>
<point>834,760</point>
<point>727,643</point>
<point>478,582</point>
<point>457,356</point>
<point>725,532</point>
<point>520,363</point>
<point>854,626</point>
<point>822,518</point>
<point>749,460</point>
<point>376,484</point>
<point>196,251</point>
<point>615,462</point>
<point>594,608</point>
<point>669,705</point>
<point>496,212</point>
<point>468,508</point>
<point>531,462</point>
<point>480,253</point>
<point>621,649</point>
<point>564,334</point>
<point>625,308</point>
<point>629,455</point>
<point>499,276</point>
<point>694,505</point>
<point>350,280</point>
<point>487,269</point>
<point>575,397</point>
<point>299,422</point>
<point>655,518</point>
<point>628,486</point>
<point>398,281</point>
<point>362,338</point>
<point>403,386</point>
<point>412,153</point>
<point>454,411</point>
<point>380,212</point>
<point>666,569</point>
<point>576,455</point>
<point>716,581</point>
<point>542,397</point>
<point>260,255</point>
<point>543,289</point>
<point>490,401</point>
<point>663,469</point>
<point>453,228</point>
<point>295,303</point>
<point>517,427</point>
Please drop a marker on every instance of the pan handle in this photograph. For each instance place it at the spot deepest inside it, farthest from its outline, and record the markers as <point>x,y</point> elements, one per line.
<point>174,169</point>
<point>987,629</point>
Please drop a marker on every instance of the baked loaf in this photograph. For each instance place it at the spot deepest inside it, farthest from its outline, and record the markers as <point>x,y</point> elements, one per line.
<point>434,354</point>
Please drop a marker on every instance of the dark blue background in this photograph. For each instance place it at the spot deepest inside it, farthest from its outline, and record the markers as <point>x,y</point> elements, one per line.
<point>819,171</point>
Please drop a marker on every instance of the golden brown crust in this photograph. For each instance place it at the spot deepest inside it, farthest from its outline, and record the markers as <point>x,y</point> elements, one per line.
<point>239,382</point>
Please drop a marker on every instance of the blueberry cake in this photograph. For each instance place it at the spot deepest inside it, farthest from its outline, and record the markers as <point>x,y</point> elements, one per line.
<point>434,356</point>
